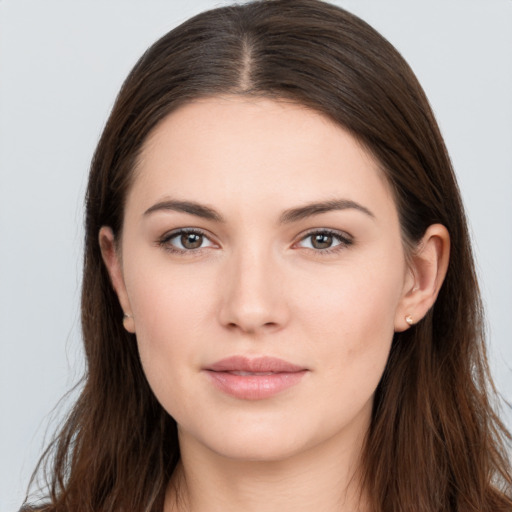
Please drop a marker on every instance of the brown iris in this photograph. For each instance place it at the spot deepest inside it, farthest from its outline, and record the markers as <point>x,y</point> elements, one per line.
<point>321,241</point>
<point>191,240</point>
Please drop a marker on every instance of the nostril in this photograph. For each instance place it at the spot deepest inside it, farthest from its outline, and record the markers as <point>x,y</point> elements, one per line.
<point>251,328</point>
<point>250,304</point>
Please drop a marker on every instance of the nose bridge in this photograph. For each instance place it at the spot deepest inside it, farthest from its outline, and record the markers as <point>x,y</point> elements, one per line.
<point>252,294</point>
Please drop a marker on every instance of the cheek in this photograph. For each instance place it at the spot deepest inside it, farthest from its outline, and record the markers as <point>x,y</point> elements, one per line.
<point>169,301</point>
<point>173,310</point>
<point>351,322</point>
<point>355,297</point>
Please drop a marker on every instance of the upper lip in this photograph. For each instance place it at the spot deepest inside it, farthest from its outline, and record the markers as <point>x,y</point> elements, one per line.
<point>254,365</point>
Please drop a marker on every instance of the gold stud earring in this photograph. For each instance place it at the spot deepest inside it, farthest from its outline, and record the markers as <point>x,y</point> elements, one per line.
<point>409,319</point>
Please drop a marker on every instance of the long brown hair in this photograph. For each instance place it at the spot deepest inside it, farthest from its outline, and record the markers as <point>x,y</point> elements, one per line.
<point>435,442</point>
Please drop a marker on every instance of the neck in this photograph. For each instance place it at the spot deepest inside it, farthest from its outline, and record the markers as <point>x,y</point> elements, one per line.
<point>324,478</point>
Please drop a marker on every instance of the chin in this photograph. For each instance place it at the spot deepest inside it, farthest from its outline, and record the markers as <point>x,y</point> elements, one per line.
<point>248,438</point>
<point>264,448</point>
<point>256,438</point>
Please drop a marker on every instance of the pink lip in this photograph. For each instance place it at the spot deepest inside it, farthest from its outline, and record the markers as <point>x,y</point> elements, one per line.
<point>268,376</point>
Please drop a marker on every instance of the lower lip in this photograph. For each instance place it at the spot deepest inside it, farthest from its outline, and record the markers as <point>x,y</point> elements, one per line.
<point>255,387</point>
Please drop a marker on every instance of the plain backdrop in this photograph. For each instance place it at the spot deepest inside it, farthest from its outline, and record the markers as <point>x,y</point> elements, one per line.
<point>61,65</point>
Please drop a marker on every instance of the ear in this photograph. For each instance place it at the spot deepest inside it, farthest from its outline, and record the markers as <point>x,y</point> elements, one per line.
<point>112,260</point>
<point>427,270</point>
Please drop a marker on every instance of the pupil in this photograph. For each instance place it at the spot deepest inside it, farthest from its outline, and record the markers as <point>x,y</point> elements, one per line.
<point>191,240</point>
<point>322,241</point>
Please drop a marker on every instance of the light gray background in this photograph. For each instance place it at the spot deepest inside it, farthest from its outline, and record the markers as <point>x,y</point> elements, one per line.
<point>61,64</point>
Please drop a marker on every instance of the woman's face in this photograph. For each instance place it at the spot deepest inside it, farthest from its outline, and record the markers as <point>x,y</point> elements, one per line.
<point>262,263</point>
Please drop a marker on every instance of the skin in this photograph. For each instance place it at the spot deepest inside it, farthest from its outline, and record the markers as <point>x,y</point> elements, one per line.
<point>259,286</point>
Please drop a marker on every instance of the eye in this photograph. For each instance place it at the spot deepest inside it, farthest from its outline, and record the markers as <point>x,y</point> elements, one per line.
<point>325,240</point>
<point>185,240</point>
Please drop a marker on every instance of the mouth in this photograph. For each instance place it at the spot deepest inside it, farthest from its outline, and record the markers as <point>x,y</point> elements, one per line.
<point>254,378</point>
<point>245,374</point>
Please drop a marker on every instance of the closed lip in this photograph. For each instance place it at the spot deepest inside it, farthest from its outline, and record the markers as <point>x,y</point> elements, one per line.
<point>254,378</point>
<point>265,364</point>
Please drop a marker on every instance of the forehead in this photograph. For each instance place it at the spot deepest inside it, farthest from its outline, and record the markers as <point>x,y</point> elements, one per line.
<point>229,149</point>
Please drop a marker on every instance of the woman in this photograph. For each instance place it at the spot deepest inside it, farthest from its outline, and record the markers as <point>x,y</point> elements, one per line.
<point>279,303</point>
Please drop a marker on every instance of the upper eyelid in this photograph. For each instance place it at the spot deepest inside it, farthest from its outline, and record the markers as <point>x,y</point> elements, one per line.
<point>345,240</point>
<point>169,235</point>
<point>330,231</point>
<point>175,232</point>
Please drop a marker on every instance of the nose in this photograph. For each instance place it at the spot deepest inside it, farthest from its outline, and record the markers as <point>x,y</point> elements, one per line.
<point>253,294</point>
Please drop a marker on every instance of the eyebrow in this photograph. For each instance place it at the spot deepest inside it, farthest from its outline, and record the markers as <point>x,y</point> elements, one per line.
<point>191,207</point>
<point>287,217</point>
<point>296,214</point>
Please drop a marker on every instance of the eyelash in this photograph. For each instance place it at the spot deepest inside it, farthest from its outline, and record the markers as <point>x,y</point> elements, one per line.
<point>344,241</point>
<point>165,241</point>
